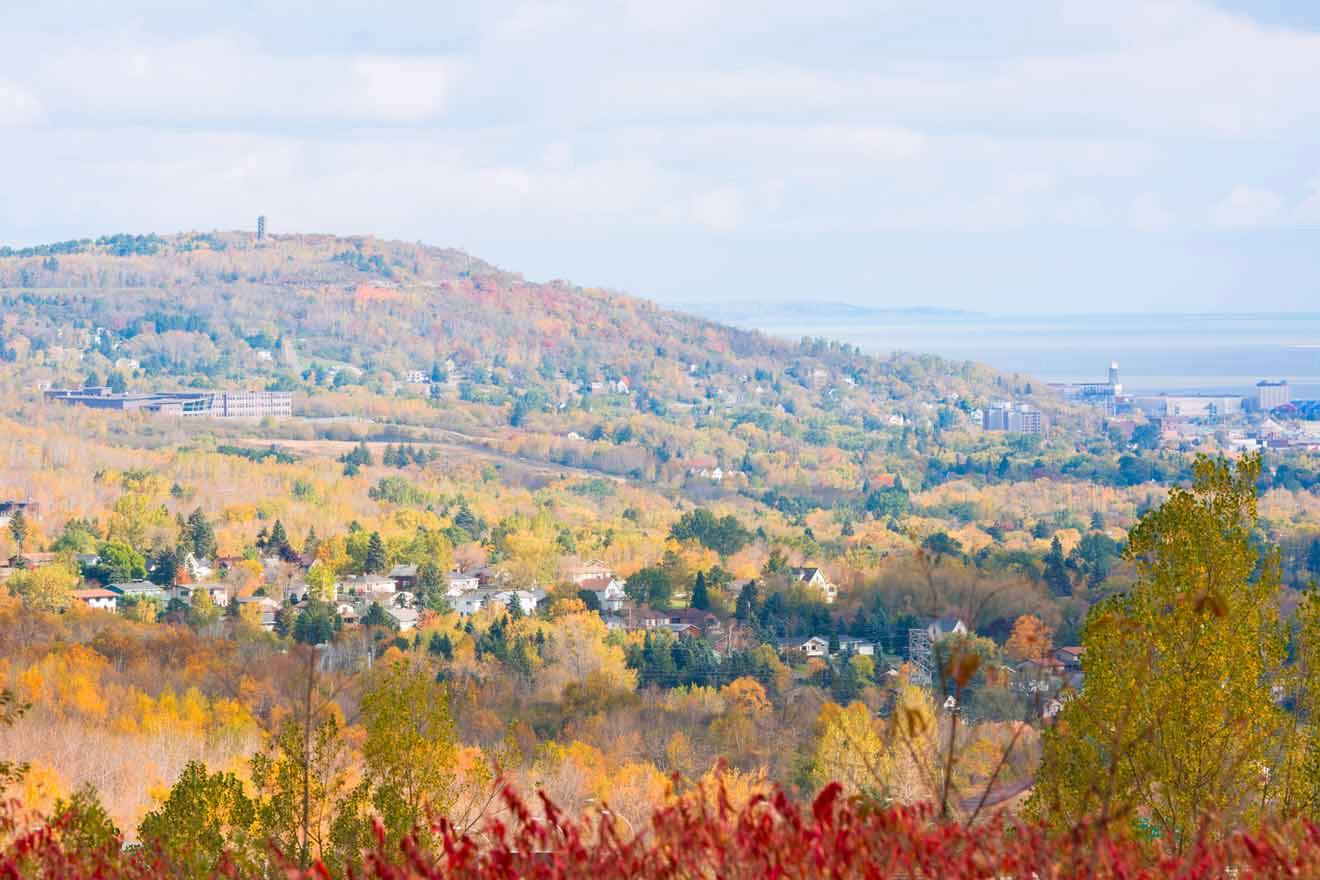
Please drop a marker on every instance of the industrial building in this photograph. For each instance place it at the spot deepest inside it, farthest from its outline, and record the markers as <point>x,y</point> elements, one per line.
<point>1271,395</point>
<point>199,404</point>
<point>1102,395</point>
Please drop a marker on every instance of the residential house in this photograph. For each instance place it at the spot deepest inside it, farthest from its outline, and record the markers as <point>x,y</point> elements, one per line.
<point>608,590</point>
<point>218,592</point>
<point>683,630</point>
<point>138,588</point>
<point>461,582</point>
<point>814,577</point>
<point>469,602</point>
<point>198,569</point>
<point>677,619</point>
<point>590,571</point>
<point>1070,657</point>
<point>945,626</point>
<point>811,646</point>
<point>650,618</point>
<point>487,576</point>
<point>404,576</point>
<point>406,618</point>
<point>266,609</point>
<point>98,598</point>
<point>368,585</point>
<point>850,645</point>
<point>472,601</point>
<point>528,600</point>
<point>32,560</point>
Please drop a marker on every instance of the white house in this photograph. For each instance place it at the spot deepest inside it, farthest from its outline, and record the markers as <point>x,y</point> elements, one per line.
<point>369,585</point>
<point>814,577</point>
<point>198,569</point>
<point>528,600</point>
<point>609,592</point>
<point>812,646</point>
<point>473,601</point>
<point>98,598</point>
<point>469,602</point>
<point>943,627</point>
<point>849,645</point>
<point>462,582</point>
<point>406,618</point>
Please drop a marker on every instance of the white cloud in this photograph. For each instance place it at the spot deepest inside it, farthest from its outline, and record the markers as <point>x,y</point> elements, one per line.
<point>1247,207</point>
<point>719,210</point>
<point>18,105</point>
<point>1308,210</point>
<point>625,124</point>
<point>216,83</point>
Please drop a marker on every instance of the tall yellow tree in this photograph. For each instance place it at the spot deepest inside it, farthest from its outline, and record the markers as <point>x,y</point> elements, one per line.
<point>851,751</point>
<point>1176,719</point>
<point>411,747</point>
<point>48,588</point>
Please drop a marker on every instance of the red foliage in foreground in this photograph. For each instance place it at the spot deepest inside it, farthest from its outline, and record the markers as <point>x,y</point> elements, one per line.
<point>769,838</point>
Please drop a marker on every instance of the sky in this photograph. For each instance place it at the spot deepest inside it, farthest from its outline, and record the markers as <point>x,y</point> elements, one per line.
<point>1053,156</point>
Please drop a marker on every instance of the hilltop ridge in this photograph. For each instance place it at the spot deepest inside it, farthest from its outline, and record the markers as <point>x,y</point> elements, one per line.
<point>413,334</point>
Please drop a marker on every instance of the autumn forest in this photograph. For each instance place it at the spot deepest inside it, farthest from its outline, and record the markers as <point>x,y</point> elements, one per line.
<point>541,569</point>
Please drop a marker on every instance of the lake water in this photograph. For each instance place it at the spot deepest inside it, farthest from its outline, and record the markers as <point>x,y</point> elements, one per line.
<point>1185,353</point>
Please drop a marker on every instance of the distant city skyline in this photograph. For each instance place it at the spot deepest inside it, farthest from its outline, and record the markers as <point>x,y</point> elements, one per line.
<point>1010,158</point>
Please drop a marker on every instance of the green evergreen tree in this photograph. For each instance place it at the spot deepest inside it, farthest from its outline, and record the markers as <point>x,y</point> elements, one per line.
<point>315,623</point>
<point>278,542</point>
<point>700,594</point>
<point>515,607</point>
<point>745,608</point>
<point>202,535</point>
<point>377,616</point>
<point>1056,570</point>
<point>376,560</point>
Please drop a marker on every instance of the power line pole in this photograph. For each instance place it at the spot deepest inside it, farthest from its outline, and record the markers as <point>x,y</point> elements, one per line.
<point>920,658</point>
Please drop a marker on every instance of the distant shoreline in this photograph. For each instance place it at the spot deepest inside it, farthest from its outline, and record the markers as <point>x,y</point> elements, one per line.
<point>1179,353</point>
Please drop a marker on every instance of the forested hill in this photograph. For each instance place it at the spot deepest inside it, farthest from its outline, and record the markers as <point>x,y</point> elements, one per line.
<point>338,317</point>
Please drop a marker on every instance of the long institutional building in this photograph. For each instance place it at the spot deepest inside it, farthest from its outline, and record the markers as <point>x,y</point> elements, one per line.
<point>201,404</point>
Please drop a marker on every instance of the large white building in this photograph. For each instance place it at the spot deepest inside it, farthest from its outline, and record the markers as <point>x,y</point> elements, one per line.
<point>1271,395</point>
<point>1189,406</point>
